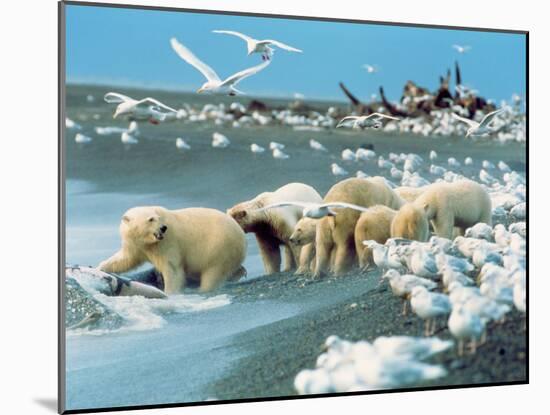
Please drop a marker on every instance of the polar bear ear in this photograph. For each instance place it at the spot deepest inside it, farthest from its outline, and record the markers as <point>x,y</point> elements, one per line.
<point>240,214</point>
<point>125,219</point>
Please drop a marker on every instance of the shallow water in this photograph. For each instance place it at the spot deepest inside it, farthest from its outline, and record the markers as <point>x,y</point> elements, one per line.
<point>105,177</point>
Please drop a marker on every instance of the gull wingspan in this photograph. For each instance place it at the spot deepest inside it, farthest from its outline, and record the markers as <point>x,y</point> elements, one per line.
<point>279,45</point>
<point>116,98</point>
<point>156,103</point>
<point>346,119</point>
<point>471,123</point>
<point>285,204</point>
<point>192,60</point>
<point>343,205</point>
<point>489,117</point>
<point>239,76</point>
<point>380,115</point>
<point>231,32</point>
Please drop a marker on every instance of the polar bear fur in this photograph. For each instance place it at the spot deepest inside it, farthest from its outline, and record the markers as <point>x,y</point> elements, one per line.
<point>335,235</point>
<point>447,205</point>
<point>304,235</point>
<point>374,224</point>
<point>198,244</point>
<point>408,193</point>
<point>273,227</point>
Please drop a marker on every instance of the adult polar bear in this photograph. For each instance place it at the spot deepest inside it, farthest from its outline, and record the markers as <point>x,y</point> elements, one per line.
<point>334,238</point>
<point>459,204</point>
<point>273,227</point>
<point>198,244</point>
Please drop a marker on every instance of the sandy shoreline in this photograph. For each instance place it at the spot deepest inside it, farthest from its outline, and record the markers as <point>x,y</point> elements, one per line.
<point>275,353</point>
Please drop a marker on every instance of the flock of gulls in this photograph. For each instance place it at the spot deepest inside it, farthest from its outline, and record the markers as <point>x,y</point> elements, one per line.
<point>466,283</point>
<point>441,113</point>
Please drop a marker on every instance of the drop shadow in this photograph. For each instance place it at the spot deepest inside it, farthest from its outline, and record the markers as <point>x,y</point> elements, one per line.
<point>48,403</point>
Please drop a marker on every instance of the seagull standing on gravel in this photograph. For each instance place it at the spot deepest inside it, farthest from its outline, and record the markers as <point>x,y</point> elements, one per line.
<point>453,162</point>
<point>428,306</point>
<point>316,145</point>
<point>213,82</point>
<point>279,154</point>
<point>316,210</point>
<point>337,170</point>
<point>148,108</point>
<point>423,263</point>
<point>182,144</point>
<point>402,285</point>
<point>480,231</point>
<point>220,140</point>
<point>348,155</point>
<point>478,128</point>
<point>274,145</point>
<point>82,139</point>
<point>465,325</point>
<point>260,46</point>
<point>255,148</point>
<point>373,120</point>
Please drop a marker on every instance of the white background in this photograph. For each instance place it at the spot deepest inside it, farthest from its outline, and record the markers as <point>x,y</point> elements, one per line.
<point>28,238</point>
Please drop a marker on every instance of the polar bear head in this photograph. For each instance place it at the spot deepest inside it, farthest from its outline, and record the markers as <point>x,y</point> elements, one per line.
<point>411,222</point>
<point>249,214</point>
<point>143,225</point>
<point>304,231</point>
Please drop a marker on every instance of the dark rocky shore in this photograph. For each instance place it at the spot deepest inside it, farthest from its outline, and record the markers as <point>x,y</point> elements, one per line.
<point>275,353</point>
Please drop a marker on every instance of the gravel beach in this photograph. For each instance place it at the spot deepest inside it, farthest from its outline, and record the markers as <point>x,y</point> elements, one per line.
<point>275,353</point>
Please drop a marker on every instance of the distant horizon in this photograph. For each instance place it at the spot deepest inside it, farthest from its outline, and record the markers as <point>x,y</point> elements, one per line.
<point>109,46</point>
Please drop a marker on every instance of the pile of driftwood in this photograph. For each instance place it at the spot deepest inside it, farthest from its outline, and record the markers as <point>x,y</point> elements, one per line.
<point>418,101</point>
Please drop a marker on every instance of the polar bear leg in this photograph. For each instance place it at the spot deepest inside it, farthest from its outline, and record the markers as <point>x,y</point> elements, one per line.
<point>271,255</point>
<point>211,279</point>
<point>444,224</point>
<point>323,254</point>
<point>174,279</point>
<point>306,256</point>
<point>343,258</point>
<point>290,261</point>
<point>122,261</point>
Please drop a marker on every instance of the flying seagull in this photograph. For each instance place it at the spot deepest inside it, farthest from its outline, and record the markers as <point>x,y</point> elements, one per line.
<point>370,68</point>
<point>478,128</point>
<point>146,108</point>
<point>316,210</point>
<point>213,82</point>
<point>260,46</point>
<point>462,49</point>
<point>373,120</point>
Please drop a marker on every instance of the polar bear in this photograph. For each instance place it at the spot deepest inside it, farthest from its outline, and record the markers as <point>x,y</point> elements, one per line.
<point>304,235</point>
<point>198,244</point>
<point>334,239</point>
<point>273,227</point>
<point>374,224</point>
<point>459,204</point>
